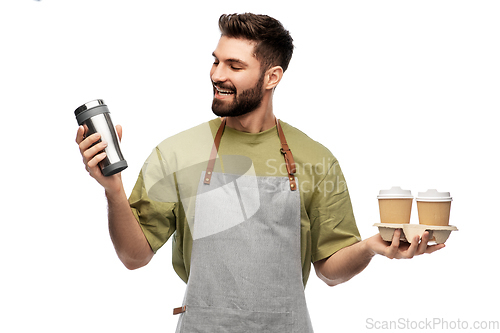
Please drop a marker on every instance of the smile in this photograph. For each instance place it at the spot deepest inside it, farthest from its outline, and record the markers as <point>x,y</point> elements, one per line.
<point>223,92</point>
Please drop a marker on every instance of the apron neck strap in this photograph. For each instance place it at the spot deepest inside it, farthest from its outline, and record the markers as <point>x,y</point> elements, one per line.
<point>287,155</point>
<point>213,154</point>
<point>285,150</point>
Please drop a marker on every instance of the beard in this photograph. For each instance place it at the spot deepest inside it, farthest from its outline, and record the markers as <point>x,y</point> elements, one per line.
<point>246,102</point>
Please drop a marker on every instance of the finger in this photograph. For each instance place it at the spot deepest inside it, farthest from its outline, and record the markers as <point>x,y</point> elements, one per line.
<point>422,247</point>
<point>394,247</point>
<point>396,237</point>
<point>119,131</point>
<point>79,134</point>
<point>94,162</point>
<point>94,150</point>
<point>434,248</point>
<point>413,247</point>
<point>89,141</point>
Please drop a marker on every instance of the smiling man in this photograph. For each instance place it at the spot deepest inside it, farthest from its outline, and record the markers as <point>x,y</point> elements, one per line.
<point>252,200</point>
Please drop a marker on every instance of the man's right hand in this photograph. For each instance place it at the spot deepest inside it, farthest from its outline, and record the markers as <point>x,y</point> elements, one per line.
<point>92,155</point>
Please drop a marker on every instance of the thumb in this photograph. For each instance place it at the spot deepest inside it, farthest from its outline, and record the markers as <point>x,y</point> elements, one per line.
<point>119,131</point>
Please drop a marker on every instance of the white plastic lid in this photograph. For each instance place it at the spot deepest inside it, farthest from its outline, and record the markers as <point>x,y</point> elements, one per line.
<point>434,195</point>
<point>395,192</point>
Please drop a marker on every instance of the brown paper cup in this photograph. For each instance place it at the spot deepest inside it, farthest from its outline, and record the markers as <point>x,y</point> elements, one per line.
<point>434,213</point>
<point>434,207</point>
<point>395,205</point>
<point>395,210</point>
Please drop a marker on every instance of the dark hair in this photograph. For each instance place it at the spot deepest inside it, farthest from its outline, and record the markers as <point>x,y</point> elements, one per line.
<point>274,43</point>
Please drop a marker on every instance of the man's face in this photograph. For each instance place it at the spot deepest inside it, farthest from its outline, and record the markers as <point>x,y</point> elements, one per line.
<point>236,77</point>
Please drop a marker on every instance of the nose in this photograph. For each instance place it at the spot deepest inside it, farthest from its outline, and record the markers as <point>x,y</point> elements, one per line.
<point>217,73</point>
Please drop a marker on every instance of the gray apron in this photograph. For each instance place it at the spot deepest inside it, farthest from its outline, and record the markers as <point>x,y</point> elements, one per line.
<point>246,273</point>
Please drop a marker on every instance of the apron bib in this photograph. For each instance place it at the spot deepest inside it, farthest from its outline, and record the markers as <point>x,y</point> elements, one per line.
<point>246,273</point>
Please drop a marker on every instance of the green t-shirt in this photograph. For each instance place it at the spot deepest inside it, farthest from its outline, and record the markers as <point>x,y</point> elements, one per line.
<point>163,198</point>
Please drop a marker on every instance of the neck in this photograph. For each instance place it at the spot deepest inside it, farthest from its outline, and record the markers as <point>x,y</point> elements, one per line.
<point>259,120</point>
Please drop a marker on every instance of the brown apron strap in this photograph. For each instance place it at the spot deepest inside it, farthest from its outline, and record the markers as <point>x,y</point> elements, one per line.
<point>287,154</point>
<point>179,310</point>
<point>213,154</point>
<point>285,150</point>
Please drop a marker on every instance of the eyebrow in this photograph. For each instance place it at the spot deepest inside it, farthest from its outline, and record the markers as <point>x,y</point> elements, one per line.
<point>239,61</point>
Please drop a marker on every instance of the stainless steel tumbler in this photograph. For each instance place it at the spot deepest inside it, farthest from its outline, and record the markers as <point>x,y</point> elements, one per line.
<point>94,116</point>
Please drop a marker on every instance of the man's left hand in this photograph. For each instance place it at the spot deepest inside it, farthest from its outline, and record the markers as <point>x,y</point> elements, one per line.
<point>402,250</point>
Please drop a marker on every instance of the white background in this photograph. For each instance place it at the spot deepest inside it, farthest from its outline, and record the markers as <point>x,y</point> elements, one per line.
<point>402,92</point>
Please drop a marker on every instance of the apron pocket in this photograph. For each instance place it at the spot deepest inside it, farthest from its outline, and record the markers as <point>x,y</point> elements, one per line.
<point>226,320</point>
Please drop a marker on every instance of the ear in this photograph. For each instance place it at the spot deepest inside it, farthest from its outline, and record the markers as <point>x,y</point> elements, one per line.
<point>273,77</point>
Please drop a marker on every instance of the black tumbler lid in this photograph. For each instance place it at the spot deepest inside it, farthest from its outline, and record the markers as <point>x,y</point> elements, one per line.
<point>89,105</point>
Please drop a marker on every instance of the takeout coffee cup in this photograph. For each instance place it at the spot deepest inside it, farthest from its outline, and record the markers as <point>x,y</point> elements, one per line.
<point>434,207</point>
<point>395,205</point>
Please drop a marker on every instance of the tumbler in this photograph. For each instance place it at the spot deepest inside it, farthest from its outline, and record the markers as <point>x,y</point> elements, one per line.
<point>94,116</point>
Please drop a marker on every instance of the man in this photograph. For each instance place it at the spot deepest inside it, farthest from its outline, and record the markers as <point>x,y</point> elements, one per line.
<point>251,200</point>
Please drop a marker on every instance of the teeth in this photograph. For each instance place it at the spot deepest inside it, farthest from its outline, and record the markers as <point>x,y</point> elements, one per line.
<point>223,91</point>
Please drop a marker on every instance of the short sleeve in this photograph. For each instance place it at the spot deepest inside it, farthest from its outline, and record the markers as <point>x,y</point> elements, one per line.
<point>333,225</point>
<point>151,202</point>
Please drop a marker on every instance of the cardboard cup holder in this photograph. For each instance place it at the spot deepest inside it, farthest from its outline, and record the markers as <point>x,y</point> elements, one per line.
<point>438,234</point>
